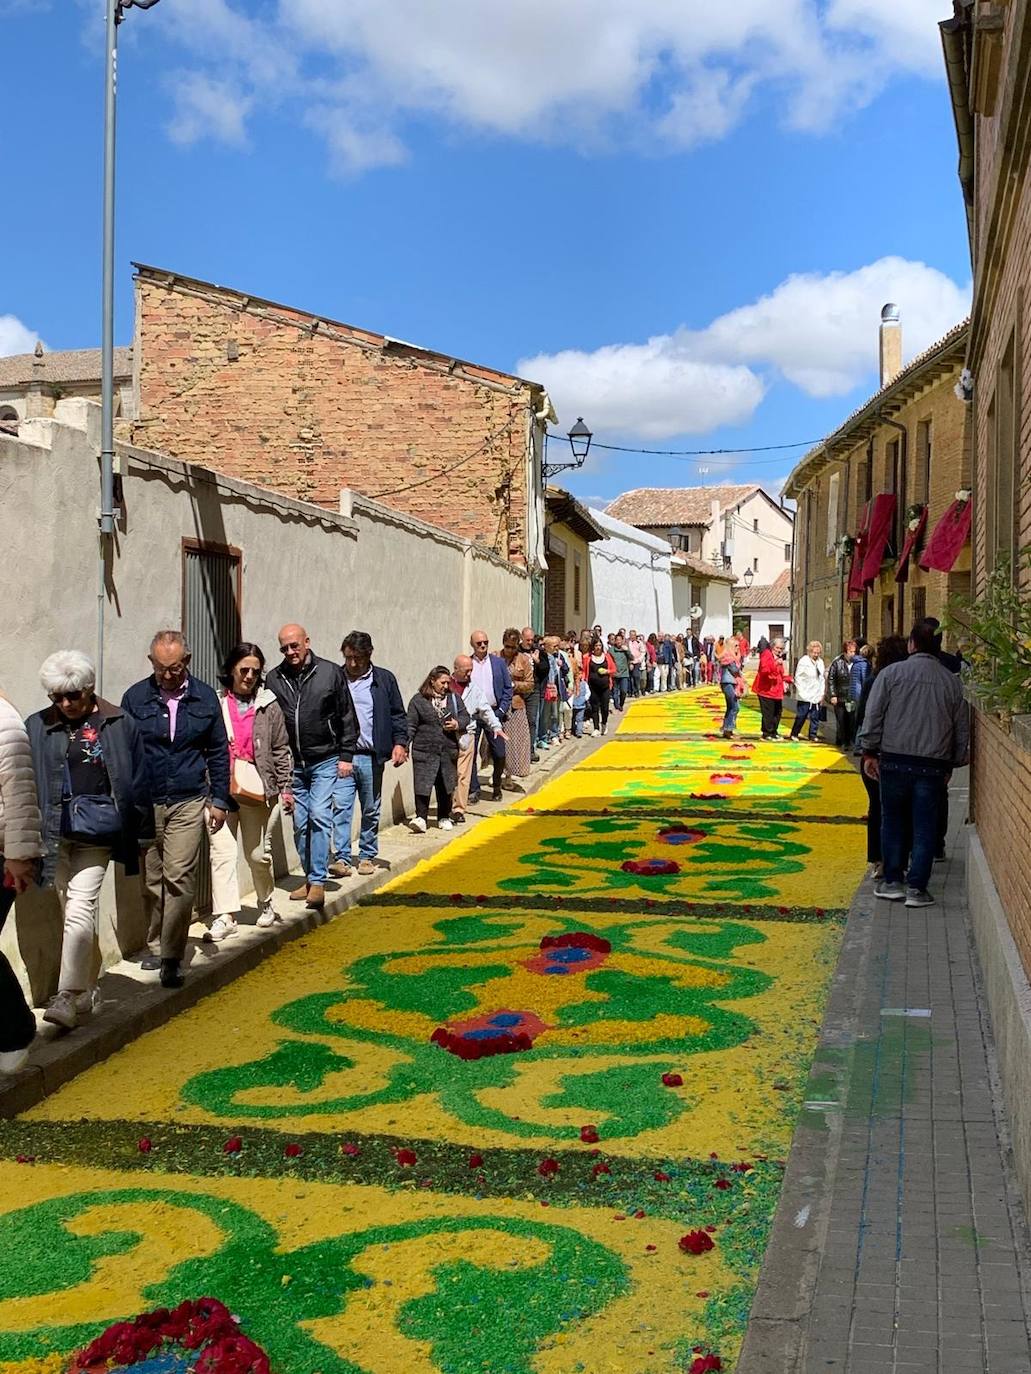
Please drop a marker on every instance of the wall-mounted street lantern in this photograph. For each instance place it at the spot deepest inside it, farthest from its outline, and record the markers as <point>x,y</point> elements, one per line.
<point>748,578</point>
<point>579,442</point>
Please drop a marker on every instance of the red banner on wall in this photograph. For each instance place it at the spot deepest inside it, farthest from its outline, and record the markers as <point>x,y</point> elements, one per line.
<point>882,515</point>
<point>912,538</point>
<point>950,534</point>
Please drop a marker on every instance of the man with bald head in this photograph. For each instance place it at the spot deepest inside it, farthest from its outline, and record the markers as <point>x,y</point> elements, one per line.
<point>323,731</point>
<point>490,674</point>
<point>482,716</point>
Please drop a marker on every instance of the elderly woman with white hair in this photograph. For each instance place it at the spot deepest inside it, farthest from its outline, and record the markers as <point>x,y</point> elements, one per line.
<point>94,800</point>
<point>20,849</point>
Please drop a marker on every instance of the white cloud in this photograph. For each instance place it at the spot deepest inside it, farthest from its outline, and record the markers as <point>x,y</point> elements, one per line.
<point>657,74</point>
<point>208,108</point>
<point>15,337</point>
<point>649,390</point>
<point>817,331</point>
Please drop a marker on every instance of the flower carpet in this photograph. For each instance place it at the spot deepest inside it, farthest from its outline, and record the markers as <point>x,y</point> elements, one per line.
<point>524,1111</point>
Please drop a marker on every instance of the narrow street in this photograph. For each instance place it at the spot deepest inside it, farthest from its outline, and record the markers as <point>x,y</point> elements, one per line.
<point>526,1109</point>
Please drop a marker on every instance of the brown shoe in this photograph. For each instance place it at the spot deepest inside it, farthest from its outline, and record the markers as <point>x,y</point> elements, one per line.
<point>299,894</point>
<point>365,867</point>
<point>341,870</point>
<point>316,897</point>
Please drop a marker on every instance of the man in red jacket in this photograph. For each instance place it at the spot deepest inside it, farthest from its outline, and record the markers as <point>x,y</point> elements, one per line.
<point>769,685</point>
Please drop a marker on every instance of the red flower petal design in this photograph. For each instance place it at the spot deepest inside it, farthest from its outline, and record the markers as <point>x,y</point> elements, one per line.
<point>476,1161</point>
<point>672,1080</point>
<point>349,1148</point>
<point>233,1145</point>
<point>144,1145</point>
<point>601,1168</point>
<point>547,1167</point>
<point>723,1184</point>
<point>292,1150</point>
<point>696,1243</point>
<point>589,1135</point>
<point>405,1157</point>
<point>660,1177</point>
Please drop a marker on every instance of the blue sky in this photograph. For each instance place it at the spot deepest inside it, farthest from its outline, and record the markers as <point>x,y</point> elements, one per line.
<point>684,222</point>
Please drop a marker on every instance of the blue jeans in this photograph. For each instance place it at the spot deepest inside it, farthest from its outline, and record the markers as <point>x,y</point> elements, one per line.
<point>733,705</point>
<point>578,720</point>
<point>313,816</point>
<point>620,692</point>
<point>911,798</point>
<point>365,783</point>
<point>806,711</point>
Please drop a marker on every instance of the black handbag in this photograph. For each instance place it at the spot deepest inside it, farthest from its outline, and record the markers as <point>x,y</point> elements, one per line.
<point>92,818</point>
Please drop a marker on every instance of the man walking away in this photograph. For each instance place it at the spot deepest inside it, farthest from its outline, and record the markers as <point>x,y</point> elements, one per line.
<point>491,675</point>
<point>323,732</point>
<point>839,693</point>
<point>916,730</point>
<point>481,716</point>
<point>382,734</point>
<point>187,751</point>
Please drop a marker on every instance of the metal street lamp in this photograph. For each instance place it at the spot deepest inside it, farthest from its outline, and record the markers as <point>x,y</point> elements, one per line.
<point>115,14</point>
<point>579,442</point>
<point>748,578</point>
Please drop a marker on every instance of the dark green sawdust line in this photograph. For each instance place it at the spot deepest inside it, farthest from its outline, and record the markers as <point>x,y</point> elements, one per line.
<point>691,812</point>
<point>505,1172</point>
<point>657,908</point>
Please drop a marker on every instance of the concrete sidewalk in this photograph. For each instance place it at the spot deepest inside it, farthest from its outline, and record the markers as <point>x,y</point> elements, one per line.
<point>131,1001</point>
<point>900,1242</point>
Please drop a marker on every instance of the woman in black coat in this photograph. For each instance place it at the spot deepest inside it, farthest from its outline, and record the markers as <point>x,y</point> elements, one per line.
<point>437,719</point>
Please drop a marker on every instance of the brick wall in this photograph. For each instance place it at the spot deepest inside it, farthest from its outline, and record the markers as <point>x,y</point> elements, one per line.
<point>1001,775</point>
<point>255,391</point>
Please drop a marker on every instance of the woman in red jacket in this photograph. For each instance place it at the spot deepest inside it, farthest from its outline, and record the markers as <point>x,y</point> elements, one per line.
<point>599,668</point>
<point>769,685</point>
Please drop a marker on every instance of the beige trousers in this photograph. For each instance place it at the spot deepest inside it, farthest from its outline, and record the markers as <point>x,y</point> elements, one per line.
<point>170,874</point>
<point>250,828</point>
<point>460,802</point>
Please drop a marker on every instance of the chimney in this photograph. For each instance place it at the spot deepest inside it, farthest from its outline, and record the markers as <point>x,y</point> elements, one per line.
<point>891,344</point>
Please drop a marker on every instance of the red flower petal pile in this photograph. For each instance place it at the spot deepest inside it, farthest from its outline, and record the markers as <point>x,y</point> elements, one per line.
<point>349,1148</point>
<point>660,1177</point>
<point>589,1135</point>
<point>204,1325</point>
<point>696,1243</point>
<point>405,1157</point>
<point>292,1150</point>
<point>706,1364</point>
<point>145,1145</point>
<point>476,1161</point>
<point>601,1168</point>
<point>672,1080</point>
<point>547,1167</point>
<point>722,1183</point>
<point>233,1145</point>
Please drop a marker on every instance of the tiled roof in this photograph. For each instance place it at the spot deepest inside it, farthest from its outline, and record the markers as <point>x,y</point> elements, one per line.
<point>67,365</point>
<point>676,505</point>
<point>948,350</point>
<point>774,594</point>
<point>708,571</point>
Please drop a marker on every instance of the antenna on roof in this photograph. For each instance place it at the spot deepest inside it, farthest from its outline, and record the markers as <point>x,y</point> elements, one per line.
<point>702,471</point>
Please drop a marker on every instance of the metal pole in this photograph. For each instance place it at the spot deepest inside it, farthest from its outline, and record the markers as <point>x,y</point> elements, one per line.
<point>107,342</point>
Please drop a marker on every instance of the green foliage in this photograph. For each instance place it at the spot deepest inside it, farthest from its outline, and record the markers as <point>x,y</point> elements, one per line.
<point>998,627</point>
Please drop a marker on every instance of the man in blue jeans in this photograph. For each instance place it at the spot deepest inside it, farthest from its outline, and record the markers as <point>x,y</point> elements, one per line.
<point>323,731</point>
<point>915,732</point>
<point>382,735</point>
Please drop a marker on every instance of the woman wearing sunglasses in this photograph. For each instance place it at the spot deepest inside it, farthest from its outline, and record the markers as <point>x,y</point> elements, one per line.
<point>260,773</point>
<point>94,801</point>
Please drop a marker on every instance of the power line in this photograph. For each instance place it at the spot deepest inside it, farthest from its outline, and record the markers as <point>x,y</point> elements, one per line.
<point>409,486</point>
<point>696,452</point>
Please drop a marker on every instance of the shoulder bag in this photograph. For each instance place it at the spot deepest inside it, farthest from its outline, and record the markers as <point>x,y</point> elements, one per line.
<point>245,784</point>
<point>92,818</point>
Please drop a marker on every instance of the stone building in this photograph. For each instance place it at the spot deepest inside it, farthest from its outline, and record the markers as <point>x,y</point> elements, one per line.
<point>872,494</point>
<point>306,405</point>
<point>739,528</point>
<point>571,529</point>
<point>988,64</point>
<point>31,384</point>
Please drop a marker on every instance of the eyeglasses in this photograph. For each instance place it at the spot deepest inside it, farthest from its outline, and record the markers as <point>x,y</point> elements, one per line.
<point>55,697</point>
<point>171,669</point>
<point>286,648</point>
<point>248,672</point>
<point>480,643</point>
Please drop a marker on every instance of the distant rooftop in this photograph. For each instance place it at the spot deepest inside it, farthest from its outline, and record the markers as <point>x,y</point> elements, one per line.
<point>64,366</point>
<point>678,505</point>
<point>772,595</point>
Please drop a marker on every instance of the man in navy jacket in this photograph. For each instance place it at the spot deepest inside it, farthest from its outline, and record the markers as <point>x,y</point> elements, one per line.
<point>187,751</point>
<point>382,735</point>
<point>491,675</point>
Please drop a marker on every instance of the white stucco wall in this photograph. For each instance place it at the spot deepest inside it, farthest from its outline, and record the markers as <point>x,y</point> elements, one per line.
<point>417,590</point>
<point>714,599</point>
<point>630,584</point>
<point>763,618</point>
<point>767,545</point>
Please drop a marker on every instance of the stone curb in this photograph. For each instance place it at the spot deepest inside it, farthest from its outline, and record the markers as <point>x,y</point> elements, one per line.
<point>137,1007</point>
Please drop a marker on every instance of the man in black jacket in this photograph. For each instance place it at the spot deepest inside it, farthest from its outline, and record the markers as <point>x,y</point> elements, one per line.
<point>839,693</point>
<point>323,732</point>
<point>382,735</point>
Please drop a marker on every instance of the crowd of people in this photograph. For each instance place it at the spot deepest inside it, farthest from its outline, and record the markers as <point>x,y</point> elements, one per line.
<point>85,782</point>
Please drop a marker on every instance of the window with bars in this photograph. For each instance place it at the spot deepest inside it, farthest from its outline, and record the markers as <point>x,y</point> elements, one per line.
<point>211,605</point>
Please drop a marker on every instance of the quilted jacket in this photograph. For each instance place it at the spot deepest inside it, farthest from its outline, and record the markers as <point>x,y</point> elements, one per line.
<point>19,810</point>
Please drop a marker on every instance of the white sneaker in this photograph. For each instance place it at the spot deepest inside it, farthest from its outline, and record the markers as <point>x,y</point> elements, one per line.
<point>62,1011</point>
<point>13,1060</point>
<point>417,825</point>
<point>445,824</point>
<point>268,915</point>
<point>221,927</point>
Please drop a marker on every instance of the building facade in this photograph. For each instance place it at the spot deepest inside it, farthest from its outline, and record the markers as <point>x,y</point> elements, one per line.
<point>871,497</point>
<point>306,406</point>
<point>31,384</point>
<point>571,529</point>
<point>764,612</point>
<point>987,50</point>
<point>733,528</point>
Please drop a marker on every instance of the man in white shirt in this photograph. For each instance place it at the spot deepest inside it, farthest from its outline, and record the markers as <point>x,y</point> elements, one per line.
<point>481,716</point>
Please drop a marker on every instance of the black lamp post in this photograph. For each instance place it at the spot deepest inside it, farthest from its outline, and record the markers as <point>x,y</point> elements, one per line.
<point>579,442</point>
<point>748,578</point>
